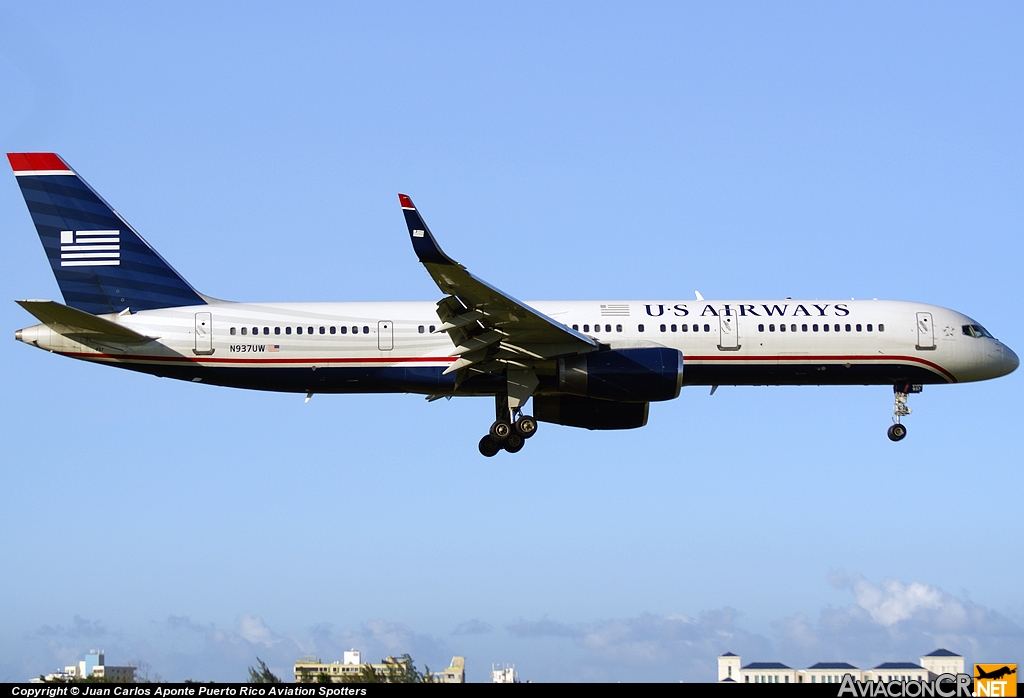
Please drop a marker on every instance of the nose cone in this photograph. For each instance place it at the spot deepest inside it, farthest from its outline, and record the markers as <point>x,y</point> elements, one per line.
<point>1010,360</point>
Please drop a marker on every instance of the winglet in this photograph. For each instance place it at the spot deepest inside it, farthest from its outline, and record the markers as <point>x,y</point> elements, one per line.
<point>423,243</point>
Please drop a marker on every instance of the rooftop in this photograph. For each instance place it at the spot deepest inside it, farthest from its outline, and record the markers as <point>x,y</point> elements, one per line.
<point>942,653</point>
<point>899,665</point>
<point>832,665</point>
<point>766,665</point>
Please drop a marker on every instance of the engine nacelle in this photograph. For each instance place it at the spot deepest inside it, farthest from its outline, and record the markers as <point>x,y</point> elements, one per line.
<point>650,374</point>
<point>589,413</point>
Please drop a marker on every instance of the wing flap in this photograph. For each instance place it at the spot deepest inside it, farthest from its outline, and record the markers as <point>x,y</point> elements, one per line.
<point>80,324</point>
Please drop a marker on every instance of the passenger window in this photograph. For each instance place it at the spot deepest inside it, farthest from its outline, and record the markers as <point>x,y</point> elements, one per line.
<point>586,328</point>
<point>858,327</point>
<point>277,330</point>
<point>803,328</point>
<point>793,327</point>
<point>847,328</point>
<point>232,330</point>
<point>287,330</point>
<point>881,327</point>
<point>662,328</point>
<point>814,328</point>
<point>366,329</point>
<point>782,328</point>
<point>266,330</point>
<point>837,328</point>
<point>322,330</point>
<point>618,328</point>
<point>309,330</point>
<point>673,328</point>
<point>343,329</point>
<point>422,329</point>
<point>707,328</point>
<point>576,327</point>
<point>869,327</point>
<point>696,328</point>
<point>771,328</point>
<point>334,329</point>
<point>684,328</point>
<point>298,330</point>
<point>255,330</point>
<point>760,328</point>
<point>825,327</point>
<point>597,328</point>
<point>639,328</point>
<point>607,328</point>
<point>355,330</point>
<point>245,330</point>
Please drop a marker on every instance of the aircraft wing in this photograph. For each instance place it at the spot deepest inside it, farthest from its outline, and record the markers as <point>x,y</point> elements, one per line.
<point>79,324</point>
<point>488,327</point>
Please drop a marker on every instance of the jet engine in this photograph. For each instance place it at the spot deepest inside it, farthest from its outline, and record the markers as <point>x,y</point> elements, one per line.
<point>649,374</point>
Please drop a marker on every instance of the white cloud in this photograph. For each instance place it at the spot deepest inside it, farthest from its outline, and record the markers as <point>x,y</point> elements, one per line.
<point>891,620</point>
<point>255,631</point>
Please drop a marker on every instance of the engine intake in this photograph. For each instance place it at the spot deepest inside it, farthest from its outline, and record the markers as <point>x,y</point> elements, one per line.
<point>624,375</point>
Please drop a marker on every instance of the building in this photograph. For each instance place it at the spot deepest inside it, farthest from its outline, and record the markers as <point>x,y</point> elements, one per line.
<point>898,671</point>
<point>506,674</point>
<point>309,669</point>
<point>941,661</point>
<point>94,667</point>
<point>455,673</point>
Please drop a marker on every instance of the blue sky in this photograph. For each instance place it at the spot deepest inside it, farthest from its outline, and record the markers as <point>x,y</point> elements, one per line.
<point>581,151</point>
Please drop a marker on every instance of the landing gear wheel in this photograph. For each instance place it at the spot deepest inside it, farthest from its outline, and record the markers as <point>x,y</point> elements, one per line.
<point>897,432</point>
<point>526,426</point>
<point>500,430</point>
<point>514,443</point>
<point>489,447</point>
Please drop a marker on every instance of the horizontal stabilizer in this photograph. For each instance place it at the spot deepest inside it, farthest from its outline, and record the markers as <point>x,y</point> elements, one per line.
<point>78,323</point>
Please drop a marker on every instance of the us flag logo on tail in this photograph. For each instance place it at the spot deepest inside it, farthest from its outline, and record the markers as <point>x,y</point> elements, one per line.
<point>90,248</point>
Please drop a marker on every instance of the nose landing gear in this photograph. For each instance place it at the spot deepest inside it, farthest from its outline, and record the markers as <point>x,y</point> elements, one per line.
<point>901,391</point>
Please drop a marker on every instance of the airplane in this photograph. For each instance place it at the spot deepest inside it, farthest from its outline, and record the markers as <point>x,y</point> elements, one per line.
<point>995,674</point>
<point>588,364</point>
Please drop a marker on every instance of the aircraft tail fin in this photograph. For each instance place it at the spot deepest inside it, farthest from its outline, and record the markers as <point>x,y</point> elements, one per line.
<point>102,265</point>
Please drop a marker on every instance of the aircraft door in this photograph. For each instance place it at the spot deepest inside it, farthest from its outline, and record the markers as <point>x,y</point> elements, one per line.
<point>385,335</point>
<point>925,332</point>
<point>729,336</point>
<point>204,333</point>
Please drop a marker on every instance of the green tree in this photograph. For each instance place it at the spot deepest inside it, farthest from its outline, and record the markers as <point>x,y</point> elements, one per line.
<point>263,674</point>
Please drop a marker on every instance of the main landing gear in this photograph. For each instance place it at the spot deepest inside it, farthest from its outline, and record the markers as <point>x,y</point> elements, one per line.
<point>510,430</point>
<point>902,391</point>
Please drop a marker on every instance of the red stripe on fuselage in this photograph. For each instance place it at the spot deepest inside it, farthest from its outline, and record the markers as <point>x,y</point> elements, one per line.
<point>804,358</point>
<point>449,359</point>
<point>205,360</point>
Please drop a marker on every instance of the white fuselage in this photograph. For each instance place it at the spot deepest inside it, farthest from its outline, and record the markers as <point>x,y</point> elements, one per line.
<point>723,343</point>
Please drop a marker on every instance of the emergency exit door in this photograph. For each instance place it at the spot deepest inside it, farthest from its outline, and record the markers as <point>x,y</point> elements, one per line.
<point>925,332</point>
<point>204,333</point>
<point>385,335</point>
<point>728,336</point>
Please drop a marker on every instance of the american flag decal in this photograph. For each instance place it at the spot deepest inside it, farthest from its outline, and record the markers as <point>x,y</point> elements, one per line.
<point>615,309</point>
<point>90,248</point>
<point>273,347</point>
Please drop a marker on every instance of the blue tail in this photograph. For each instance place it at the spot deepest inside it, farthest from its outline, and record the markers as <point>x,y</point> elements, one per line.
<point>102,265</point>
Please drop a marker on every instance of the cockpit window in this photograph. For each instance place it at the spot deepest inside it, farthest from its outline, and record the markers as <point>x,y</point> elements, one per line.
<point>977,331</point>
